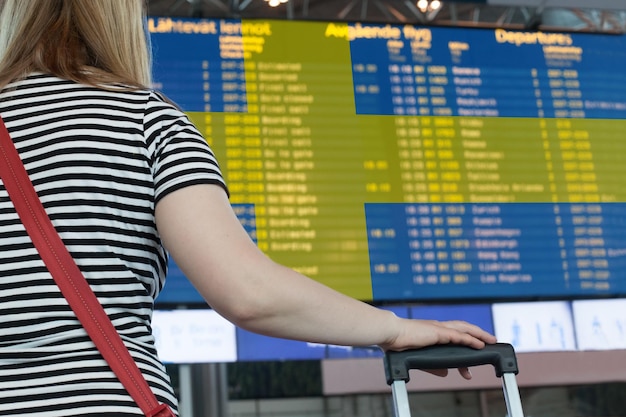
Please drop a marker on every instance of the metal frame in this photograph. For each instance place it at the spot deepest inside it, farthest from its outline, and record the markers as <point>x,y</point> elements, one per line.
<point>533,15</point>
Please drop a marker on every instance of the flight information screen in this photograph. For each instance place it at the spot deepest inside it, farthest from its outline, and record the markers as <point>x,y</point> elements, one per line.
<point>399,162</point>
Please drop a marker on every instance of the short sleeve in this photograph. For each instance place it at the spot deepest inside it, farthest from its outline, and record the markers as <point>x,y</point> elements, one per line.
<point>179,155</point>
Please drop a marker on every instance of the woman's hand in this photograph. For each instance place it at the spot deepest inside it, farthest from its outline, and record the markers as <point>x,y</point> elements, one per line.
<point>413,334</point>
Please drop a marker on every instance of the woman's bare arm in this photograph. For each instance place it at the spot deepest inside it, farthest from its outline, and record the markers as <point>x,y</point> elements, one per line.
<point>201,231</point>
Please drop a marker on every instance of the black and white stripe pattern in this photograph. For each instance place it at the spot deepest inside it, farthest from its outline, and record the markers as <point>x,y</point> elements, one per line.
<point>99,160</point>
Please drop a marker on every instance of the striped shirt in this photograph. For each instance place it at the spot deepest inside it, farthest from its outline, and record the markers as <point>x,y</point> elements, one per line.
<point>100,160</point>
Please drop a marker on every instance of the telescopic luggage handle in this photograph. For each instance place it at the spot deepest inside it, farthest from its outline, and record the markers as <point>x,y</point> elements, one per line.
<point>500,355</point>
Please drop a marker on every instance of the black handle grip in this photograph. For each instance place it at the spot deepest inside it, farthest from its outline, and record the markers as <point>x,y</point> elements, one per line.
<point>500,355</point>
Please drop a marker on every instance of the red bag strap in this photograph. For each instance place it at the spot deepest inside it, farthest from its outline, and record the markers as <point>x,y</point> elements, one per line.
<point>70,279</point>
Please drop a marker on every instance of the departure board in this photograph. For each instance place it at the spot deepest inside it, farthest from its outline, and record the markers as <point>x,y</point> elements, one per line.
<point>399,162</point>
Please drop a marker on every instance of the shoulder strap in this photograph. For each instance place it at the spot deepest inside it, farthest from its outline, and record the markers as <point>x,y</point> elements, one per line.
<point>70,279</point>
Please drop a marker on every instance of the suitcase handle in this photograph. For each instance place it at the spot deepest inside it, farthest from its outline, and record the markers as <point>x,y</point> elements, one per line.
<point>500,355</point>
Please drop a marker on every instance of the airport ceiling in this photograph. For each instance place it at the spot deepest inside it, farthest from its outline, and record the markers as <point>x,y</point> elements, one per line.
<point>547,15</point>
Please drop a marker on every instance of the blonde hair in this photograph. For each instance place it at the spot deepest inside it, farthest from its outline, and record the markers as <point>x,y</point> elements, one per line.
<point>96,42</point>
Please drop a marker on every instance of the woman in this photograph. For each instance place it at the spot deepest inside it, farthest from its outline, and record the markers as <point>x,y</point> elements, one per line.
<point>123,174</point>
